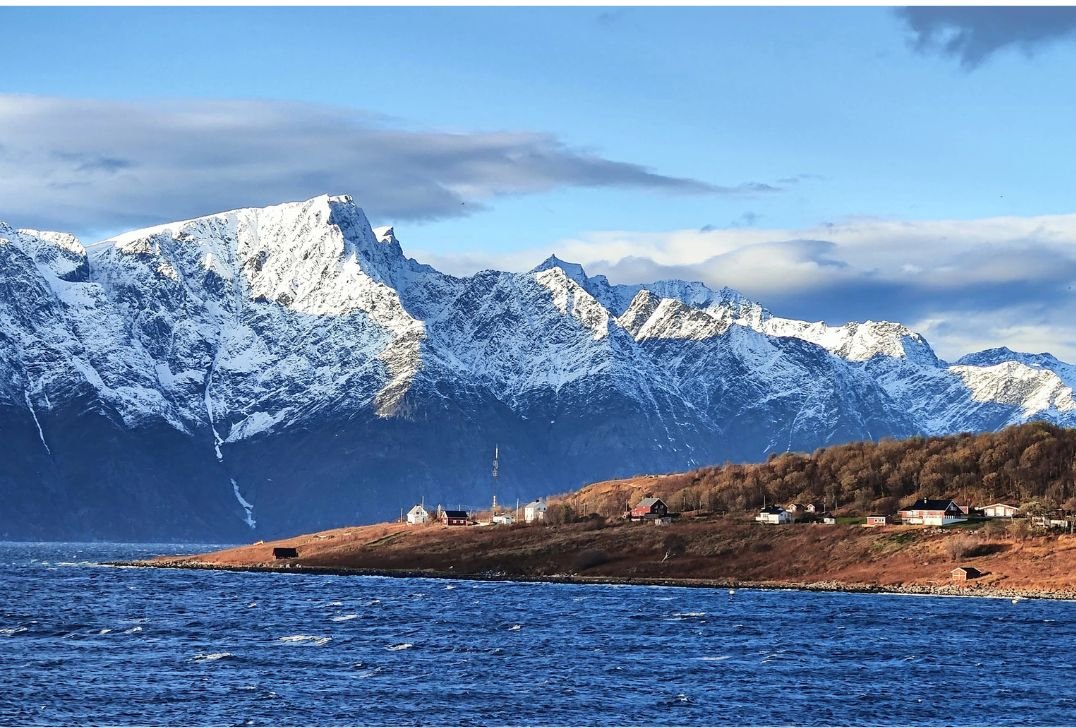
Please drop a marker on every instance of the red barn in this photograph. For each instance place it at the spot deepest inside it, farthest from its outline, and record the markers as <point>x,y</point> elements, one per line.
<point>652,507</point>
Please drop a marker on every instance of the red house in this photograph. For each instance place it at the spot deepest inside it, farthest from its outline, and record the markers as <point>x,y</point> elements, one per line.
<point>455,518</point>
<point>650,508</point>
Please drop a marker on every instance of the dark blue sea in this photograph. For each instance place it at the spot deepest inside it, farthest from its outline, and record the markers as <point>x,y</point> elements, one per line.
<point>87,644</point>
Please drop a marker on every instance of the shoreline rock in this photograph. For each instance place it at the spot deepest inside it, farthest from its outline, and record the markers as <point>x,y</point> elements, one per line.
<point>947,590</point>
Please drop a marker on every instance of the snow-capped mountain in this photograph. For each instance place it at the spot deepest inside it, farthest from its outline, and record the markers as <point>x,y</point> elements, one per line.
<point>288,368</point>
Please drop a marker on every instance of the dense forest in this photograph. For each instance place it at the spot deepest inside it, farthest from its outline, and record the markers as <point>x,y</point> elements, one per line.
<point>1032,464</point>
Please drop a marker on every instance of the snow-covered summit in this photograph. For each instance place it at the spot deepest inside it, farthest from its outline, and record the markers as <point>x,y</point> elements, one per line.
<point>572,270</point>
<point>256,337</point>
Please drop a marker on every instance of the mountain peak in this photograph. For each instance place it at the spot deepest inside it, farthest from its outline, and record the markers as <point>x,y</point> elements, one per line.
<point>386,234</point>
<point>572,270</point>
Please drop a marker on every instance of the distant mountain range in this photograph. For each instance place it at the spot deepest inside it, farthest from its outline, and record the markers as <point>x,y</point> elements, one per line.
<point>285,369</point>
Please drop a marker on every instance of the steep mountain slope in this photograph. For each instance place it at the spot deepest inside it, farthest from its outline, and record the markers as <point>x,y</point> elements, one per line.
<point>289,368</point>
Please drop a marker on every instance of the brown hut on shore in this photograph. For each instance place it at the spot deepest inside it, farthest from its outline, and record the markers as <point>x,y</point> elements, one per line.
<point>964,573</point>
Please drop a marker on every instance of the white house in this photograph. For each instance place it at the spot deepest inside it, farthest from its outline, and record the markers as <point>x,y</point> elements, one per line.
<point>534,511</point>
<point>418,516</point>
<point>999,510</point>
<point>933,512</point>
<point>503,519</point>
<point>773,515</point>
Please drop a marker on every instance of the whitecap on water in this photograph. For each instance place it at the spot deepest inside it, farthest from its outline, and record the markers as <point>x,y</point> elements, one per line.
<point>344,617</point>
<point>715,658</point>
<point>400,646</point>
<point>210,656</point>
<point>132,630</point>
<point>306,639</point>
<point>8,631</point>
<point>106,630</point>
<point>515,627</point>
<point>335,604</point>
<point>450,587</point>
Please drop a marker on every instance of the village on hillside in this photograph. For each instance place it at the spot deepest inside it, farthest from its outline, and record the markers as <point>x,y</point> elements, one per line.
<point>924,513</point>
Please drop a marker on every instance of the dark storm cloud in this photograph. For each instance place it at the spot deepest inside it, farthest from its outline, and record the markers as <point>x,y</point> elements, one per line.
<point>973,34</point>
<point>79,164</point>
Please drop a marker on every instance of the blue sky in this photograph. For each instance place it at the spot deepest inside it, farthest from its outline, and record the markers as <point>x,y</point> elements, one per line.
<point>490,137</point>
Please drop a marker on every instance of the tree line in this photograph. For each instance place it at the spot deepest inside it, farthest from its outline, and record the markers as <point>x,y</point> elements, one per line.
<point>1035,462</point>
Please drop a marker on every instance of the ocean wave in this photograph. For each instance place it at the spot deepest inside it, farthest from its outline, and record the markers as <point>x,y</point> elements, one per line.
<point>211,656</point>
<point>305,639</point>
<point>400,646</point>
<point>8,631</point>
<point>132,630</point>
<point>715,658</point>
<point>344,617</point>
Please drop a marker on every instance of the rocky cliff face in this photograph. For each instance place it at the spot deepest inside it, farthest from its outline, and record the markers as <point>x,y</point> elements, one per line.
<point>263,371</point>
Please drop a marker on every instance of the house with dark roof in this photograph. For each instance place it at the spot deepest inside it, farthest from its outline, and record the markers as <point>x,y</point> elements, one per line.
<point>649,507</point>
<point>455,518</point>
<point>932,512</point>
<point>773,515</point>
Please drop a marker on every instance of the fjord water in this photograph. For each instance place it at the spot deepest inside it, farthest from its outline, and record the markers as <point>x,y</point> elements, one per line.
<point>82,643</point>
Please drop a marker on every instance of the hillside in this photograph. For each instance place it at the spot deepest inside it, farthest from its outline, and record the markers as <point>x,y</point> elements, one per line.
<point>1018,465</point>
<point>275,370</point>
<point>715,541</point>
<point>729,551</point>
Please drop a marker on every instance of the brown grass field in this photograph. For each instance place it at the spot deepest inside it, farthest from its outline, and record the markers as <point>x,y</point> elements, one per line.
<point>715,550</point>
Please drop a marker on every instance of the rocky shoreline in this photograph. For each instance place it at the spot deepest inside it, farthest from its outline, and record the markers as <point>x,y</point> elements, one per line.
<point>948,590</point>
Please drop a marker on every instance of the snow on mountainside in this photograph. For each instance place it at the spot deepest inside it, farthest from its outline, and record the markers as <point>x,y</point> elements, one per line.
<point>296,370</point>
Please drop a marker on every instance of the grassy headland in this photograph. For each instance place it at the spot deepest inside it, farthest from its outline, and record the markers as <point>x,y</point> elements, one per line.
<point>716,542</point>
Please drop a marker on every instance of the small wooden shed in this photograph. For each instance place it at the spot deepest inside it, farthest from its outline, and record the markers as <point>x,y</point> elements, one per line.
<point>964,573</point>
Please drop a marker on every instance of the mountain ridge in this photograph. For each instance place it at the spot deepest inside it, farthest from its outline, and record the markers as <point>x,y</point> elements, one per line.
<point>297,339</point>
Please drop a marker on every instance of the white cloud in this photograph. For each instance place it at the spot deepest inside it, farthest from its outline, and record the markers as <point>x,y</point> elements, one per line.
<point>966,283</point>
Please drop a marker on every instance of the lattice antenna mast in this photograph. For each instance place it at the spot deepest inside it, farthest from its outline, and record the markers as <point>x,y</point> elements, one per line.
<point>496,474</point>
